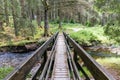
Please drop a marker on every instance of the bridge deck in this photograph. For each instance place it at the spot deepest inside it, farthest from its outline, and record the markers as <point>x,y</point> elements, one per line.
<point>60,70</point>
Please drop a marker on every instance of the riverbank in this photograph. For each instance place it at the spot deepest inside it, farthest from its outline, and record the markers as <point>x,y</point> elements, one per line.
<point>23,47</point>
<point>108,57</point>
<point>103,48</point>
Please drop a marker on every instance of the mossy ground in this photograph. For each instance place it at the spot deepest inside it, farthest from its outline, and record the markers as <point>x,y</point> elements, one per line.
<point>4,71</point>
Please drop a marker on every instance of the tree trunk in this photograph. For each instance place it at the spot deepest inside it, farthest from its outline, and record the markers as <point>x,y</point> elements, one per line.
<point>1,26</point>
<point>6,12</point>
<point>54,12</point>
<point>14,18</point>
<point>60,18</point>
<point>103,21</point>
<point>32,15</point>
<point>38,18</point>
<point>79,17</point>
<point>46,26</point>
<point>23,12</point>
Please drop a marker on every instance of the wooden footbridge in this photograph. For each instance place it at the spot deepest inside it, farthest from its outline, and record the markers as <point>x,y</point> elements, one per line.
<point>60,59</point>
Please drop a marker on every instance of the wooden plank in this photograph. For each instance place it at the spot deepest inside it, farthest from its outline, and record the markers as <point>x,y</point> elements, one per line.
<point>60,70</point>
<point>21,71</point>
<point>98,72</point>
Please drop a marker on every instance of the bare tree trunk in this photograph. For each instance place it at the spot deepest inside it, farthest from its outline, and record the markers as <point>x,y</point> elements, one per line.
<point>14,18</point>
<point>103,21</point>
<point>54,12</point>
<point>38,18</point>
<point>1,26</point>
<point>23,12</point>
<point>46,26</point>
<point>60,18</point>
<point>6,12</point>
<point>33,14</point>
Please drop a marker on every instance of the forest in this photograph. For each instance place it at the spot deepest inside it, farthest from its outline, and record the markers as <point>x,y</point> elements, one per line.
<point>93,24</point>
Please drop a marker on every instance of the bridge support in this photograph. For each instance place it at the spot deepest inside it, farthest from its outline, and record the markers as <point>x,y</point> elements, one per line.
<point>45,56</point>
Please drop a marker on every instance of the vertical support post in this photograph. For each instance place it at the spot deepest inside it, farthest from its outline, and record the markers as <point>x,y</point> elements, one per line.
<point>45,56</point>
<point>53,40</point>
<point>75,56</point>
<point>79,67</point>
<point>67,40</point>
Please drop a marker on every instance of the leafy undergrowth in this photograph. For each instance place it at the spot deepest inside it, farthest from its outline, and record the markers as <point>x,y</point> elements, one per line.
<point>88,35</point>
<point>84,37</point>
<point>4,71</point>
<point>7,37</point>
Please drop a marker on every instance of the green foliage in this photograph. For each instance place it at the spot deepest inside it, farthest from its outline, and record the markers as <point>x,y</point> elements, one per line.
<point>113,32</point>
<point>87,35</point>
<point>88,24</point>
<point>84,37</point>
<point>108,5</point>
<point>27,27</point>
<point>72,21</point>
<point>4,72</point>
<point>86,71</point>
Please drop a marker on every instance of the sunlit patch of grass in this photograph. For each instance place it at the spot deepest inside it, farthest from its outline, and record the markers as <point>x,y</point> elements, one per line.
<point>85,34</point>
<point>110,62</point>
<point>4,71</point>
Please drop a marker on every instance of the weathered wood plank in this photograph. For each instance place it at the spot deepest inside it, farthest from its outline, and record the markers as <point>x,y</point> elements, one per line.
<point>60,69</point>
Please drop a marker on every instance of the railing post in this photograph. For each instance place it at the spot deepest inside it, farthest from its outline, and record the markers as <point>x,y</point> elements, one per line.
<point>45,56</point>
<point>75,56</point>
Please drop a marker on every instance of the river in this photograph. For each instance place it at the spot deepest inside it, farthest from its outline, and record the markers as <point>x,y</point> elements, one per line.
<point>12,59</point>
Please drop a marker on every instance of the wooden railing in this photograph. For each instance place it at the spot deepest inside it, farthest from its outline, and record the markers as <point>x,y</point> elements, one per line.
<point>22,71</point>
<point>97,71</point>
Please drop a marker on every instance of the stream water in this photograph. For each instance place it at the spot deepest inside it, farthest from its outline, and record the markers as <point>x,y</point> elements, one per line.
<point>96,54</point>
<point>12,59</point>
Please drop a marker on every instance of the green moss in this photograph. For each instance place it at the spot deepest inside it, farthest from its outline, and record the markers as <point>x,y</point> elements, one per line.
<point>4,72</point>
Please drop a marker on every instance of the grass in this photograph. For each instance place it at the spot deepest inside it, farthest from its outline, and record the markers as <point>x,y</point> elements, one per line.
<point>87,35</point>
<point>4,71</point>
<point>110,63</point>
<point>82,34</point>
<point>86,71</point>
<point>84,37</point>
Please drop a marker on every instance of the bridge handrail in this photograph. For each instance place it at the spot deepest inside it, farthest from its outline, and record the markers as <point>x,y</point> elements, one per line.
<point>98,72</point>
<point>21,71</point>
